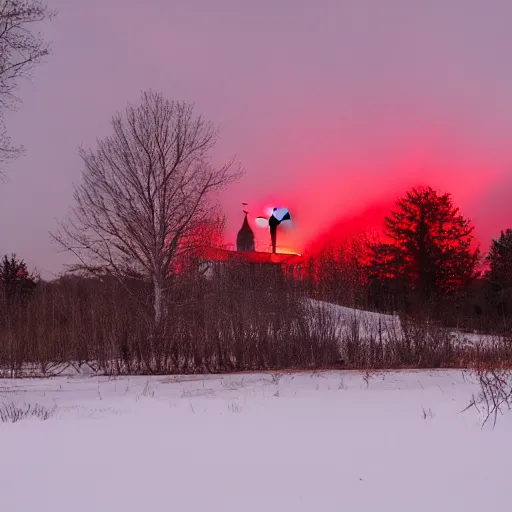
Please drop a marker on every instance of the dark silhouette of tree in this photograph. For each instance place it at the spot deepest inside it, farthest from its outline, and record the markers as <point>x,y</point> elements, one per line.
<point>428,249</point>
<point>499,273</point>
<point>15,279</point>
<point>500,261</point>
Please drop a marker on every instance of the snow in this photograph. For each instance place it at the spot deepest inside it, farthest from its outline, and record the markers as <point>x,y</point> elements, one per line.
<point>370,325</point>
<point>329,441</point>
<point>365,324</point>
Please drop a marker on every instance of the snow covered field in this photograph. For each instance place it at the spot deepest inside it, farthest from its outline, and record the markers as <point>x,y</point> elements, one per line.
<point>328,441</point>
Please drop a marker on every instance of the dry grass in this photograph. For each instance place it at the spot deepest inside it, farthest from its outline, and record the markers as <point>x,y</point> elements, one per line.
<point>239,321</point>
<point>11,412</point>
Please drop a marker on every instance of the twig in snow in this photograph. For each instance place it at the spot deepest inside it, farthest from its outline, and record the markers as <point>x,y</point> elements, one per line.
<point>494,396</point>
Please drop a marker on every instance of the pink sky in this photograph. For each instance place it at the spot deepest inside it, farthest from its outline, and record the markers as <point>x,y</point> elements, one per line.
<point>330,105</point>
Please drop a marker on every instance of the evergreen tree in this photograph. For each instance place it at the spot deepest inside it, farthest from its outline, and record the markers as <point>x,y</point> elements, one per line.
<point>428,248</point>
<point>499,273</point>
<point>500,261</point>
<point>15,280</point>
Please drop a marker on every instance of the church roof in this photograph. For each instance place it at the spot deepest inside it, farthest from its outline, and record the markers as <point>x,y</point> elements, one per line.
<point>214,254</point>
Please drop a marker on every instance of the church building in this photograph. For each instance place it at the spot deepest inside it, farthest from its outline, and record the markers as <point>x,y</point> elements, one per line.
<point>213,259</point>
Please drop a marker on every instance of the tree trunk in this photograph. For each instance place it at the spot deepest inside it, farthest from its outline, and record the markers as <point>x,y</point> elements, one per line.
<point>158,301</point>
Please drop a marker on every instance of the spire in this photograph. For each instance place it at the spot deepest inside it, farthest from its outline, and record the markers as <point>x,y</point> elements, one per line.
<point>245,237</point>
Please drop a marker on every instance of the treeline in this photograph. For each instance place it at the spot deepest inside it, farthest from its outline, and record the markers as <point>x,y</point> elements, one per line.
<point>241,318</point>
<point>426,264</point>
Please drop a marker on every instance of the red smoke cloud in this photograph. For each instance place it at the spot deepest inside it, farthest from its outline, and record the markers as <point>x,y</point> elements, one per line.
<point>371,218</point>
<point>327,205</point>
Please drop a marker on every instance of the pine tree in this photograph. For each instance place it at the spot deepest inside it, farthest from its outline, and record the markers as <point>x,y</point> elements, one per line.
<point>428,248</point>
<point>15,280</point>
<point>499,274</point>
<point>499,259</point>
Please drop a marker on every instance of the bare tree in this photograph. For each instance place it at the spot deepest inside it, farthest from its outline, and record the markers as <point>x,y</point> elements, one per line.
<point>146,192</point>
<point>495,394</point>
<point>20,51</point>
<point>339,269</point>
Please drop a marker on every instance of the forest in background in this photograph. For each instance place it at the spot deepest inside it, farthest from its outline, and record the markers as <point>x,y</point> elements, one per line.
<point>137,301</point>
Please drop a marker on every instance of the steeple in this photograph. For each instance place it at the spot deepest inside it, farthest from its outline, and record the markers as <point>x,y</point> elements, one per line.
<point>245,237</point>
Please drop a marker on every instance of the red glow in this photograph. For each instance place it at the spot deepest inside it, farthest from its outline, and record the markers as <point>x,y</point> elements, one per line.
<point>367,221</point>
<point>327,203</point>
<point>212,254</point>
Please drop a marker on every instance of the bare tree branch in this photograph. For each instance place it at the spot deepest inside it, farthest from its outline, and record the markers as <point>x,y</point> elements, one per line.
<point>146,193</point>
<point>20,51</point>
